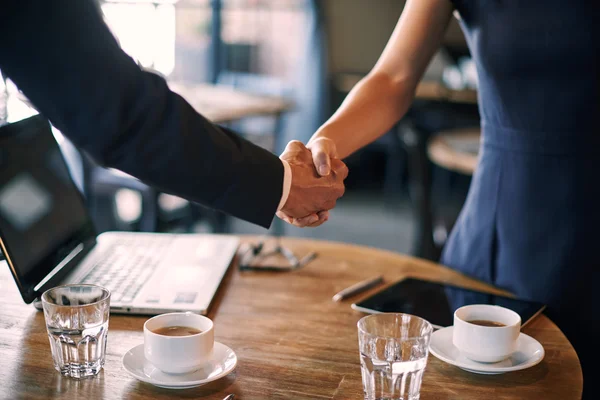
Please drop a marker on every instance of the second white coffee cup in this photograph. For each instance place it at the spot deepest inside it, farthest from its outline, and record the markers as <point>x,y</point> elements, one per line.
<point>179,354</point>
<point>486,343</point>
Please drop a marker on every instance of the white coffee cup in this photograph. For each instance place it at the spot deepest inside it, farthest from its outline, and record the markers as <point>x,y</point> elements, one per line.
<point>179,354</point>
<point>486,343</point>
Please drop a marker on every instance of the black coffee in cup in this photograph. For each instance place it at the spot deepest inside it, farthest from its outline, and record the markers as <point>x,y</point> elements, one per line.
<point>485,322</point>
<point>176,331</point>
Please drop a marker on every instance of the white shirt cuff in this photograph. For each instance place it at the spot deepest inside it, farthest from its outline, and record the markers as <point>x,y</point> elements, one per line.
<point>287,184</point>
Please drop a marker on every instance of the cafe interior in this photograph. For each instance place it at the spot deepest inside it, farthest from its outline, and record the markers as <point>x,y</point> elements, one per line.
<point>372,304</point>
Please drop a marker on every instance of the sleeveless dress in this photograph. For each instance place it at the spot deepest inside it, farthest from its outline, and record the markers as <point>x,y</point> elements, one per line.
<point>531,221</point>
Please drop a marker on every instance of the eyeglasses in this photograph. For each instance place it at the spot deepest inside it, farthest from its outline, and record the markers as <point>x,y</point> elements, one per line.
<point>254,253</point>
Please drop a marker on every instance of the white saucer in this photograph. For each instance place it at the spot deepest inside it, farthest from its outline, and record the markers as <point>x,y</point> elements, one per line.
<point>529,353</point>
<point>224,361</point>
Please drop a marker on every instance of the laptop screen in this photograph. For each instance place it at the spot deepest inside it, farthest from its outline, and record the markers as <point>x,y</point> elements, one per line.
<point>42,215</point>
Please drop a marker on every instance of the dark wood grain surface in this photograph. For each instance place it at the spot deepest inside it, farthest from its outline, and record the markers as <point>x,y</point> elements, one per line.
<point>291,339</point>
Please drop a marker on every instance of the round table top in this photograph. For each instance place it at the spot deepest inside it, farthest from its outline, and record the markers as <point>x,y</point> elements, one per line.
<point>456,150</point>
<point>292,341</point>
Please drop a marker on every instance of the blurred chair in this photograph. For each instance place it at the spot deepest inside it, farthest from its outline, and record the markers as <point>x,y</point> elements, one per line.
<point>426,119</point>
<point>102,186</point>
<point>454,152</point>
<point>118,201</point>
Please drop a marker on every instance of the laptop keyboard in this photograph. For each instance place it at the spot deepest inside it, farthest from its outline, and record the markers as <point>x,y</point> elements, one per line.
<point>127,265</point>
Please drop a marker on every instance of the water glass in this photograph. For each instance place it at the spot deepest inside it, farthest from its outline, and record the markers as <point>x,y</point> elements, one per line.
<point>393,355</point>
<point>77,322</point>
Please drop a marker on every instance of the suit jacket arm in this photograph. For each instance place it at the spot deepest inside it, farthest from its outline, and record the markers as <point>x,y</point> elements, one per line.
<point>63,57</point>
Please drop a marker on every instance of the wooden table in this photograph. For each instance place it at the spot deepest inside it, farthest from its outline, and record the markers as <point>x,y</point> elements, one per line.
<point>221,104</point>
<point>291,340</point>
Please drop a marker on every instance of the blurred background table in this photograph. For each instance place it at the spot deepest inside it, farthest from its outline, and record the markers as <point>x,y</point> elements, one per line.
<point>223,104</point>
<point>291,339</point>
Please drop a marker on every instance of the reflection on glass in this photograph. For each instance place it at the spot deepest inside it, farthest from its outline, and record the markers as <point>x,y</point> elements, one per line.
<point>23,202</point>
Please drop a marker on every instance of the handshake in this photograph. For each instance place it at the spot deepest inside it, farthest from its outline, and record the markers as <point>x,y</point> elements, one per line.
<point>317,182</point>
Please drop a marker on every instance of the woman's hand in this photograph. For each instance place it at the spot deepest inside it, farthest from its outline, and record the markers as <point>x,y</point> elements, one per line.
<point>323,151</point>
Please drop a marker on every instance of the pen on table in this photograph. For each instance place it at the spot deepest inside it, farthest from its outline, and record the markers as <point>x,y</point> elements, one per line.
<point>357,288</point>
<point>289,255</point>
<point>306,259</point>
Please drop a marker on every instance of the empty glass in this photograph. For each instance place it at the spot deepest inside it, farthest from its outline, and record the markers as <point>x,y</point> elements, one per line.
<point>77,322</point>
<point>393,355</point>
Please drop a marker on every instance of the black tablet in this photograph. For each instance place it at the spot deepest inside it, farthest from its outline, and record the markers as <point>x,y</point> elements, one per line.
<point>436,302</point>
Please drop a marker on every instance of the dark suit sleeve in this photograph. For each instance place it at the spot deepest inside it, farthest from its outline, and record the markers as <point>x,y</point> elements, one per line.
<point>66,61</point>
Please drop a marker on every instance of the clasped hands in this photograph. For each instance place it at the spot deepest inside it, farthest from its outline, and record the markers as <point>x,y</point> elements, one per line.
<point>317,182</point>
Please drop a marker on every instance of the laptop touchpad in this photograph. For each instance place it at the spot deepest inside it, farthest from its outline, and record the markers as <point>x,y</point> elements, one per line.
<point>185,276</point>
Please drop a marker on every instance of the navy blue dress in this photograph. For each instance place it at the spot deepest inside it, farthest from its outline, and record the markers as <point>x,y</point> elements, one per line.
<point>531,222</point>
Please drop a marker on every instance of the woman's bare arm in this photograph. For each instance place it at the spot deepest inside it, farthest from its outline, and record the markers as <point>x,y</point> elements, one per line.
<point>379,100</point>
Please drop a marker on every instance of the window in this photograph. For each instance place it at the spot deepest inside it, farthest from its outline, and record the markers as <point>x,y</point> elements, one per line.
<point>145,29</point>
<point>175,36</point>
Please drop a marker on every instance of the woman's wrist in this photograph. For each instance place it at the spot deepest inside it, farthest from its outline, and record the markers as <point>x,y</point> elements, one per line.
<point>324,132</point>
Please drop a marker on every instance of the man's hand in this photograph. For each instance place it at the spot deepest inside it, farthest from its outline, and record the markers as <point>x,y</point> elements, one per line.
<point>311,195</point>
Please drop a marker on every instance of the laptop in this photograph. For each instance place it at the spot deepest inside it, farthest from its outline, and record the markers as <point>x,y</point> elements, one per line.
<point>48,238</point>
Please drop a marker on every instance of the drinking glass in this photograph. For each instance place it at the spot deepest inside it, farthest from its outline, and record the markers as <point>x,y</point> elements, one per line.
<point>77,322</point>
<point>393,355</point>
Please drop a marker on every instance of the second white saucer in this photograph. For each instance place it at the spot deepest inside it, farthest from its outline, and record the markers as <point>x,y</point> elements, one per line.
<point>529,353</point>
<point>223,362</point>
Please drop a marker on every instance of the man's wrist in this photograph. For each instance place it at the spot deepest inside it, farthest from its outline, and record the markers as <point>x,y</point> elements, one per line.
<point>287,184</point>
